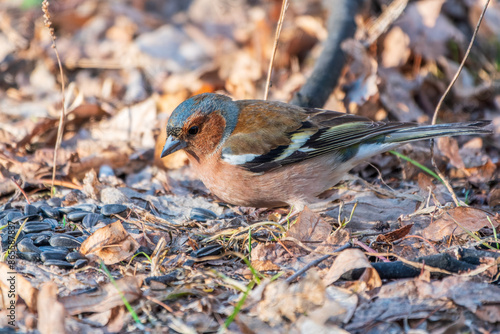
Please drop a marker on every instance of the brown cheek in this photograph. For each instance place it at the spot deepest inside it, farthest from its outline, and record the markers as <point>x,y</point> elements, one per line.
<point>211,134</point>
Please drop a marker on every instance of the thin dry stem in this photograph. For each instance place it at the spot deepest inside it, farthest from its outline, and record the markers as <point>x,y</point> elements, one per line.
<point>369,249</point>
<point>20,189</point>
<point>462,64</point>
<point>316,262</point>
<point>48,24</point>
<point>390,14</point>
<point>441,175</point>
<point>445,94</point>
<point>284,7</point>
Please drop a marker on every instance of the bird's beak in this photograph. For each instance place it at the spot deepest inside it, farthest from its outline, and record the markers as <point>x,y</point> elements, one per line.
<point>172,145</point>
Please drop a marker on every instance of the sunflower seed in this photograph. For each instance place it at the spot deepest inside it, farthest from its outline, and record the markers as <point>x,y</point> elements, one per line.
<point>81,263</point>
<point>113,209</point>
<point>26,245</point>
<point>64,240</point>
<point>202,215</point>
<point>59,263</point>
<point>74,256</point>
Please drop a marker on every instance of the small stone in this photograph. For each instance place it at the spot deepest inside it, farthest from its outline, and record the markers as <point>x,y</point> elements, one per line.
<point>6,206</point>
<point>111,195</point>
<point>97,226</point>
<point>39,204</point>
<point>106,171</point>
<point>82,238</point>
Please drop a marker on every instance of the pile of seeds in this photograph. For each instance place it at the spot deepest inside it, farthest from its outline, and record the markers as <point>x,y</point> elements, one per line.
<point>46,232</point>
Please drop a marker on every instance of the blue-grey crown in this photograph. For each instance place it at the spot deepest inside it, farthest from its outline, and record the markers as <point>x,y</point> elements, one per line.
<point>205,103</point>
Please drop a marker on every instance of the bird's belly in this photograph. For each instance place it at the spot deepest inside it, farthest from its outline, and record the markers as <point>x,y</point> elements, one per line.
<point>296,184</point>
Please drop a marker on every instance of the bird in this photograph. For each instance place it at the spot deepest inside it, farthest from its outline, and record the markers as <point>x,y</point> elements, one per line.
<point>268,154</point>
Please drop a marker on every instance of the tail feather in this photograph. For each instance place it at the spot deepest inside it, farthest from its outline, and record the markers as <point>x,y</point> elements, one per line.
<point>438,130</point>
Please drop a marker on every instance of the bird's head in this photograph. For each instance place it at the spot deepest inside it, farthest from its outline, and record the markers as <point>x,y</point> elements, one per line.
<point>201,124</point>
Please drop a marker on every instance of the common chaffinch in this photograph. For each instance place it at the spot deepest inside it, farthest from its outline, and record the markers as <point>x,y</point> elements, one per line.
<point>268,154</point>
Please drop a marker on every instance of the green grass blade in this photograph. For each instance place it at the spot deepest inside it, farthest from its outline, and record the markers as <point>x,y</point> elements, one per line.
<point>417,164</point>
<point>125,301</point>
<point>239,305</point>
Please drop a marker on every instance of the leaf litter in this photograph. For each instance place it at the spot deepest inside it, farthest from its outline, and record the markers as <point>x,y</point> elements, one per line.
<point>173,251</point>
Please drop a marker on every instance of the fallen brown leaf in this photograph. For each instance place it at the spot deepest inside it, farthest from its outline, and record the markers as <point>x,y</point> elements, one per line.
<point>309,227</point>
<point>494,197</point>
<point>449,147</point>
<point>268,257</point>
<point>469,218</point>
<point>51,312</point>
<point>24,289</point>
<point>112,244</point>
<point>281,299</point>
<point>352,259</point>
<point>482,173</point>
<point>395,235</point>
<point>106,298</point>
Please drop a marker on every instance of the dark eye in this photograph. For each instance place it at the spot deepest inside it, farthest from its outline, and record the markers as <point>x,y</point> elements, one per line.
<point>193,130</point>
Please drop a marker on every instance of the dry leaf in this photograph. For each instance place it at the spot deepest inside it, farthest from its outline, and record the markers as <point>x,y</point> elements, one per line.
<point>91,185</point>
<point>112,244</point>
<point>51,312</point>
<point>106,298</point>
<point>494,197</point>
<point>395,235</point>
<point>429,30</point>
<point>469,218</point>
<point>23,289</point>
<point>337,309</point>
<point>490,313</point>
<point>396,50</point>
<point>268,257</point>
<point>281,299</point>
<point>348,260</point>
<point>425,182</point>
<point>309,227</point>
<point>482,173</point>
<point>449,147</point>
